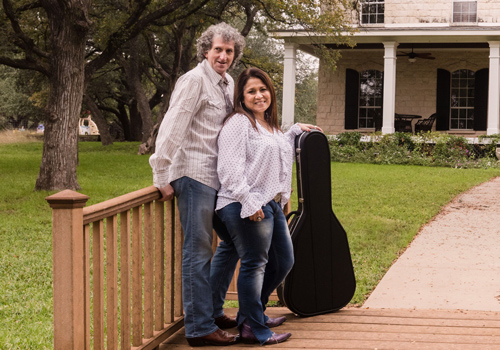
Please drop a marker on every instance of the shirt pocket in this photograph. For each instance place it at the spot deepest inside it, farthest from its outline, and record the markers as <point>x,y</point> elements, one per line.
<point>215,112</point>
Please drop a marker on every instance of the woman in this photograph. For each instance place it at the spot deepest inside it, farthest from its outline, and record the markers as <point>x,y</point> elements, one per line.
<point>255,170</point>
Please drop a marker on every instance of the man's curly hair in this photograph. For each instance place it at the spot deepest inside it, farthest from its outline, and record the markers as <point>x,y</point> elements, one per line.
<point>227,33</point>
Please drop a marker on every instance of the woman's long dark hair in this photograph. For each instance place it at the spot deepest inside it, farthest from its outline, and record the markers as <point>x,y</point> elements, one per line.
<point>271,113</point>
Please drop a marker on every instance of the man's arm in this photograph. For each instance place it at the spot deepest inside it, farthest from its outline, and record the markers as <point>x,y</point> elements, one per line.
<point>184,103</point>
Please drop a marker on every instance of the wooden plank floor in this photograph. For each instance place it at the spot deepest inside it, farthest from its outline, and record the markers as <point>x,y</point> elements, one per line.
<point>381,329</point>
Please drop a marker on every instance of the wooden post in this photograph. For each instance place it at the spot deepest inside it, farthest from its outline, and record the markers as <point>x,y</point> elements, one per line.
<point>68,255</point>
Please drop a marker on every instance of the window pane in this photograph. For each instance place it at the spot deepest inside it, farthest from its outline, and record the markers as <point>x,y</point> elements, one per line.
<point>372,11</point>
<point>465,11</point>
<point>370,97</point>
<point>462,99</point>
<point>454,99</point>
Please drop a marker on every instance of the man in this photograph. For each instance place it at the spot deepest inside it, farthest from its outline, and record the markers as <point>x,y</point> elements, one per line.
<point>185,164</point>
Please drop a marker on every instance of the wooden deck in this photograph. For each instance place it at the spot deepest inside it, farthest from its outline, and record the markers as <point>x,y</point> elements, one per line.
<point>380,329</point>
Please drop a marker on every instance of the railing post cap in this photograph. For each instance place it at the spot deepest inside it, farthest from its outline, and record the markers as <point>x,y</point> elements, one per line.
<point>67,199</point>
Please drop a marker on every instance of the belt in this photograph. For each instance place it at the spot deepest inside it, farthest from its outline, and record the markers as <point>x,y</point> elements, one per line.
<point>277,198</point>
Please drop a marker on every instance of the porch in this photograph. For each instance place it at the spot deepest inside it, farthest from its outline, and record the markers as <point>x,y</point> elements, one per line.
<point>401,329</point>
<point>375,81</point>
<point>117,285</point>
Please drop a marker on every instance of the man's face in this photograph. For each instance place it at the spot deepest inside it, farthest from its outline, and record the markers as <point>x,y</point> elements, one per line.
<point>221,55</point>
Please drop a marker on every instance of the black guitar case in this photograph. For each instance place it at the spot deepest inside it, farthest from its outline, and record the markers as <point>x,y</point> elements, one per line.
<point>322,278</point>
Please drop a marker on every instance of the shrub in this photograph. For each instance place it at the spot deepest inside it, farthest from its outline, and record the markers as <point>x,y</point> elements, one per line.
<point>348,138</point>
<point>490,148</point>
<point>428,149</point>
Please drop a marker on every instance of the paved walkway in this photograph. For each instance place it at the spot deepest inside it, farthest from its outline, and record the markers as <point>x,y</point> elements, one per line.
<point>454,261</point>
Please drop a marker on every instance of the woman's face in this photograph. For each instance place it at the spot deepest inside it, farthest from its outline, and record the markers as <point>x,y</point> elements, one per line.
<point>256,96</point>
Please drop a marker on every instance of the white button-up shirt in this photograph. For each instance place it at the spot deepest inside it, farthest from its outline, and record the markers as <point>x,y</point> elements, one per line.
<point>187,140</point>
<point>254,165</point>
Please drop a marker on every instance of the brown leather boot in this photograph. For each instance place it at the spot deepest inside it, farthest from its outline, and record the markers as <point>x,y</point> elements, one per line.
<point>224,322</point>
<point>217,338</point>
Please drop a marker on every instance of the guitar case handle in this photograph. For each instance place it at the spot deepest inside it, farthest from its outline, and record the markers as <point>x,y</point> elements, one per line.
<point>289,215</point>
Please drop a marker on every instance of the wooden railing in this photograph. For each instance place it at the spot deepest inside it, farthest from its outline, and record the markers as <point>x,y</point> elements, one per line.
<point>117,271</point>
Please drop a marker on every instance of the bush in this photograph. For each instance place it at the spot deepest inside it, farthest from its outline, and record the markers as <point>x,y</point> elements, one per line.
<point>349,139</point>
<point>428,149</point>
<point>490,148</point>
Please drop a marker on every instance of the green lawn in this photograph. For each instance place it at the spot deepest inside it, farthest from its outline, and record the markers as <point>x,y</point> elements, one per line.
<point>380,207</point>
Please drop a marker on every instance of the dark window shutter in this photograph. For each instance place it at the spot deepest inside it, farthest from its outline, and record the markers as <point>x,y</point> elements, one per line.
<point>351,99</point>
<point>443,99</point>
<point>481,99</point>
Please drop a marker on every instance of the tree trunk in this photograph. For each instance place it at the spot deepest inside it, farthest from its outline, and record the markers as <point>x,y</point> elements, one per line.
<point>124,121</point>
<point>135,121</point>
<point>132,68</point>
<point>149,146</point>
<point>99,120</point>
<point>69,25</point>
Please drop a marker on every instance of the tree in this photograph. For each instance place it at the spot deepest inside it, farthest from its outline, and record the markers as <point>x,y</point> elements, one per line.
<point>71,41</point>
<point>21,95</point>
<point>53,35</point>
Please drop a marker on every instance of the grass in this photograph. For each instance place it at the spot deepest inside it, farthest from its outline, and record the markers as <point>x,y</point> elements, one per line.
<point>16,136</point>
<point>25,230</point>
<point>380,207</point>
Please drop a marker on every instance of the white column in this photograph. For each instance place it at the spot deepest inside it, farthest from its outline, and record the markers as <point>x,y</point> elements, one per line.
<point>389,86</point>
<point>494,89</point>
<point>288,108</point>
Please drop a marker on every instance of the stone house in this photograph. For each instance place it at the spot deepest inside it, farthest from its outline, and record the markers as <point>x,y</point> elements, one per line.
<point>412,59</point>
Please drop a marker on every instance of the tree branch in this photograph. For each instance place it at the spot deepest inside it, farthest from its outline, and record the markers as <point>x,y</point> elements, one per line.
<point>30,6</point>
<point>134,25</point>
<point>25,64</point>
<point>24,42</point>
<point>250,14</point>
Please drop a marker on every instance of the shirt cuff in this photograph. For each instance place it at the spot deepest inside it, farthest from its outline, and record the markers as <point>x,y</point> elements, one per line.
<point>295,128</point>
<point>251,205</point>
<point>160,180</point>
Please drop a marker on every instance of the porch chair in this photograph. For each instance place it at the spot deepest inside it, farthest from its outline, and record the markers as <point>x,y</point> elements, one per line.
<point>402,124</point>
<point>425,125</point>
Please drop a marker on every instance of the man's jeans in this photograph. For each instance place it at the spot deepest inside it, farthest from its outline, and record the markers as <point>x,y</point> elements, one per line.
<point>266,253</point>
<point>196,203</point>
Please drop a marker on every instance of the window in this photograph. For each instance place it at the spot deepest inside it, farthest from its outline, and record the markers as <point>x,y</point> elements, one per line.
<point>372,11</point>
<point>370,98</point>
<point>462,99</point>
<point>464,11</point>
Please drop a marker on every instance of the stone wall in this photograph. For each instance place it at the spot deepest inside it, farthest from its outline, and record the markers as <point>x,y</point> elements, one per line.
<point>434,11</point>
<point>415,82</point>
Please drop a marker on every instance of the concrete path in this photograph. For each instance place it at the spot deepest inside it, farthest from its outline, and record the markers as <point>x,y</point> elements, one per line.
<point>454,261</point>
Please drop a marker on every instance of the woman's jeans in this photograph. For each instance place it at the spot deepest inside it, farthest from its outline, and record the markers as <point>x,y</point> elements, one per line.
<point>196,203</point>
<point>266,253</point>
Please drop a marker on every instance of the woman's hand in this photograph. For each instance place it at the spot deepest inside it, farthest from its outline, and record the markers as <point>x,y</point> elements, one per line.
<point>309,127</point>
<point>258,216</point>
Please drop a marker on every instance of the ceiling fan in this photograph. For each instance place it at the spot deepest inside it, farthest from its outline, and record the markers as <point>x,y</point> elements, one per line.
<point>412,56</point>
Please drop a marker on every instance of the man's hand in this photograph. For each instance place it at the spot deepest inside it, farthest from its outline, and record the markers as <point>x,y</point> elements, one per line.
<point>167,193</point>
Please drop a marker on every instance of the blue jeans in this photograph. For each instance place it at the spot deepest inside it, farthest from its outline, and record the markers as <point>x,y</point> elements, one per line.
<point>223,265</point>
<point>196,203</point>
<point>266,253</point>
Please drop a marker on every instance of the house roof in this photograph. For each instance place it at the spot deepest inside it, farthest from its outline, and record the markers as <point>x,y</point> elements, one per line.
<point>426,36</point>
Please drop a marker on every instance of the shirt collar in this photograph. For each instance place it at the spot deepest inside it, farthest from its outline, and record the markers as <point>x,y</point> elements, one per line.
<point>214,77</point>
